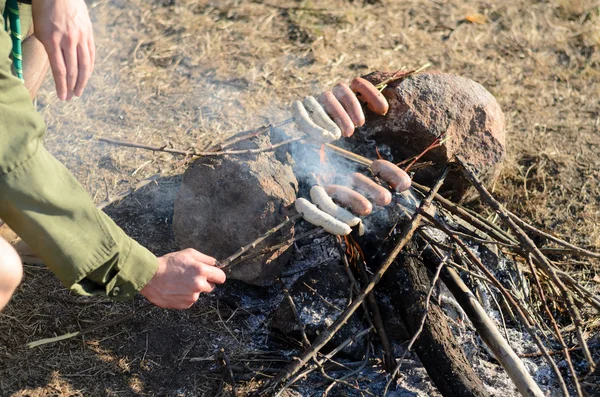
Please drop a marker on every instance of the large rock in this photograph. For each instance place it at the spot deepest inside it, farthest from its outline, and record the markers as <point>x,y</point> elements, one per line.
<point>427,105</point>
<point>227,202</point>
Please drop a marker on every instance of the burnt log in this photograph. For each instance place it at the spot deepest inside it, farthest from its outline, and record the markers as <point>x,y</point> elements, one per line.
<point>407,284</point>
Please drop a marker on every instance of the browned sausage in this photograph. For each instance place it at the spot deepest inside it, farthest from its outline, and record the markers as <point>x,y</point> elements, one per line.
<point>364,185</point>
<point>336,111</point>
<point>349,198</point>
<point>392,174</point>
<point>344,94</point>
<point>371,95</point>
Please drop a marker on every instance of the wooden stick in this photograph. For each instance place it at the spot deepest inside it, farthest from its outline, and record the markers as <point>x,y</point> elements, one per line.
<point>357,158</point>
<point>530,246</point>
<point>405,237</point>
<point>229,370</point>
<point>194,153</point>
<point>505,355</point>
<point>70,335</point>
<point>225,264</point>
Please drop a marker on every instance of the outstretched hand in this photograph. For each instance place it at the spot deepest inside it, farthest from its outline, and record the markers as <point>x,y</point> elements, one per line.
<point>65,30</point>
<point>181,278</point>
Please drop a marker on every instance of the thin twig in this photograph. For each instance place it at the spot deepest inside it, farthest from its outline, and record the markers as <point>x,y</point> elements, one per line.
<point>570,247</point>
<point>312,232</point>
<point>96,327</point>
<point>473,219</point>
<point>405,236</point>
<point>292,305</point>
<point>229,371</point>
<point>122,195</point>
<point>226,263</point>
<point>194,153</point>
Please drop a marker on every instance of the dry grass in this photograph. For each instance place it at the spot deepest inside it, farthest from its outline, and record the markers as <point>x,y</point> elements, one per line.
<point>191,72</point>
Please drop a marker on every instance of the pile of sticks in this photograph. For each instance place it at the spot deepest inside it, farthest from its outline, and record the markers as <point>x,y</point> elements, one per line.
<point>556,290</point>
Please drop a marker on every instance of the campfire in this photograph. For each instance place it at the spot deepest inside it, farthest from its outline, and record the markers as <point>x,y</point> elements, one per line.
<point>372,281</point>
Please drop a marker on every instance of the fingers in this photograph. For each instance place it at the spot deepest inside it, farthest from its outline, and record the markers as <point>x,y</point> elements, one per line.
<point>336,111</point>
<point>70,57</point>
<point>346,97</point>
<point>59,71</point>
<point>84,65</point>
<point>200,257</point>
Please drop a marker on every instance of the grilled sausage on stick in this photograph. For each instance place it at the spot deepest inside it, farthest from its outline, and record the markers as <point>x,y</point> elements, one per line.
<point>313,215</point>
<point>371,95</point>
<point>349,198</point>
<point>392,174</point>
<point>321,199</point>
<point>364,185</point>
<point>308,126</point>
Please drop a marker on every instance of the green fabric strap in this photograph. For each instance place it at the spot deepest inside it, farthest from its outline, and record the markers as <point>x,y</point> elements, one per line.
<point>11,14</point>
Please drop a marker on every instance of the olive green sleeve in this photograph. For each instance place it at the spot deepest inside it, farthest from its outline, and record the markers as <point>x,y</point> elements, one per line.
<point>44,204</point>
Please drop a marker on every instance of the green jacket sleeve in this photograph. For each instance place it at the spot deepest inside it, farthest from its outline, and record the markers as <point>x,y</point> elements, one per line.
<point>44,204</point>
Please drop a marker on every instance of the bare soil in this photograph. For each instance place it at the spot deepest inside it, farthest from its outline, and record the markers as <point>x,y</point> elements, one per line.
<point>189,73</point>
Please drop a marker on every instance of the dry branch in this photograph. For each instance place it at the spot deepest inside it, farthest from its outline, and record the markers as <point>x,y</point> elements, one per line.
<point>530,246</point>
<point>194,153</point>
<point>405,237</point>
<point>487,330</point>
<point>70,335</point>
<point>509,298</point>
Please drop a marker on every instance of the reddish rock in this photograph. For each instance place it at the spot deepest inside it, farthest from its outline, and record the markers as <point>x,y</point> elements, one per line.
<point>227,202</point>
<point>426,106</point>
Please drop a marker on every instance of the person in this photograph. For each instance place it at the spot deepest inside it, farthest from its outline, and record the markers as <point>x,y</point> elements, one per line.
<point>44,204</point>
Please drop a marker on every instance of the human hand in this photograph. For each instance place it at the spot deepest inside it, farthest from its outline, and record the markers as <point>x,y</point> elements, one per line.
<point>339,108</point>
<point>65,30</point>
<point>181,278</point>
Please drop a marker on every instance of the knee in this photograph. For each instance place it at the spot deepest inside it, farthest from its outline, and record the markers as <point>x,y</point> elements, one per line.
<point>11,272</point>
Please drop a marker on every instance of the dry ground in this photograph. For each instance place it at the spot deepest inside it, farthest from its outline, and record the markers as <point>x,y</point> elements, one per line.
<point>190,72</point>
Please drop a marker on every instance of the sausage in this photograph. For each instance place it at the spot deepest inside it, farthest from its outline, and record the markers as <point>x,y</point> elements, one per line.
<point>316,111</point>
<point>306,125</point>
<point>364,185</point>
<point>371,95</point>
<point>336,111</point>
<point>313,215</point>
<point>349,198</point>
<point>321,199</point>
<point>392,174</point>
<point>344,94</point>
